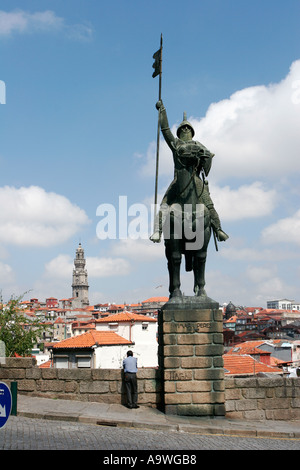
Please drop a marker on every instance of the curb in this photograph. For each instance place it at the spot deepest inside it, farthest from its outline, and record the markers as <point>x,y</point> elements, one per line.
<point>184,428</point>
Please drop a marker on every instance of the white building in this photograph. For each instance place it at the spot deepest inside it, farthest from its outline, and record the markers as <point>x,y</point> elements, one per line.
<point>283,304</point>
<point>94,349</point>
<point>296,352</point>
<point>106,346</point>
<point>141,330</point>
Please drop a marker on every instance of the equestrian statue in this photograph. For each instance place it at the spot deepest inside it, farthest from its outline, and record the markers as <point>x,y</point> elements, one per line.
<point>186,204</point>
<point>186,215</point>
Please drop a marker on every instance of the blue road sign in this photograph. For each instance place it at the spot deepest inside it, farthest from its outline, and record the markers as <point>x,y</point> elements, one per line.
<point>5,403</point>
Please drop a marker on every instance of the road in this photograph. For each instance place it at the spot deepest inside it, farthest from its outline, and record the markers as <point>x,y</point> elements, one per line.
<point>22,433</point>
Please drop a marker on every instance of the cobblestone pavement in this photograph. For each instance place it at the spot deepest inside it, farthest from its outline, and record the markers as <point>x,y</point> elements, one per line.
<point>22,433</point>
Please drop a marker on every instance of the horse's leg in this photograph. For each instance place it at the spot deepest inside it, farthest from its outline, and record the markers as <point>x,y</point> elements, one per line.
<point>199,272</point>
<point>174,256</point>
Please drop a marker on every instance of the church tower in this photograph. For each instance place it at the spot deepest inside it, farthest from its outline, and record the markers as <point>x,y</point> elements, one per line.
<point>80,287</point>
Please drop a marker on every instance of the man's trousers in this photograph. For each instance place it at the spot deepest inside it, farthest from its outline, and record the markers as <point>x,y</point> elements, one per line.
<point>131,388</point>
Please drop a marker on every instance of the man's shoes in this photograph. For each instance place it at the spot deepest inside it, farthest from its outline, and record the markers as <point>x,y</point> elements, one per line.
<point>129,406</point>
<point>135,406</point>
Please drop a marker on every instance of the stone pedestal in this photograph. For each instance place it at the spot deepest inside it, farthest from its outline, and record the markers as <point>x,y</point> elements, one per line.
<point>190,356</point>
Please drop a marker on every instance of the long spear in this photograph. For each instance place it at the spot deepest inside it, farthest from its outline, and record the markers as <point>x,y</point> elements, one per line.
<point>157,56</point>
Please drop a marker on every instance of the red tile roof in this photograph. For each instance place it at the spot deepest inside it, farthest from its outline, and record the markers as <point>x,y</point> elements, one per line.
<point>46,365</point>
<point>91,338</point>
<point>125,317</point>
<point>231,319</point>
<point>249,350</point>
<point>237,364</point>
<point>274,361</point>
<point>60,320</point>
<point>156,299</point>
<point>249,347</point>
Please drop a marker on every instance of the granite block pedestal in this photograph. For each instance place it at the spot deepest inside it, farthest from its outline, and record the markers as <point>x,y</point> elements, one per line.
<point>191,357</point>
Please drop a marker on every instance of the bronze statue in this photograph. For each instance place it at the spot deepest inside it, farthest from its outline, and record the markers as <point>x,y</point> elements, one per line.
<point>192,163</point>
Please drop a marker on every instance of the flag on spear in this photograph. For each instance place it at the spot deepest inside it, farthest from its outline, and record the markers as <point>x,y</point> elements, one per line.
<point>157,56</point>
<point>156,64</point>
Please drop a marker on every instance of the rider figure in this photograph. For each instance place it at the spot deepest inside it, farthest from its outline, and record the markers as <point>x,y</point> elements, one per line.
<point>187,154</point>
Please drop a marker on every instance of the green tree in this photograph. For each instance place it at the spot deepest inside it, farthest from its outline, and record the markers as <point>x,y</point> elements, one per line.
<point>17,331</point>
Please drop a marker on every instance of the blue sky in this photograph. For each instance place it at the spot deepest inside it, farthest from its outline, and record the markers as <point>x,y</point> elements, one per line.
<point>78,129</point>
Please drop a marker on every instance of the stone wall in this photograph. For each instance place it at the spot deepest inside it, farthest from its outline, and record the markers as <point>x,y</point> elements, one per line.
<point>253,398</point>
<point>257,398</point>
<point>97,385</point>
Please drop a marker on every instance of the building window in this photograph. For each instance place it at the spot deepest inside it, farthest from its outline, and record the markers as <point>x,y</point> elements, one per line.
<point>83,361</point>
<point>145,326</point>
<point>61,362</point>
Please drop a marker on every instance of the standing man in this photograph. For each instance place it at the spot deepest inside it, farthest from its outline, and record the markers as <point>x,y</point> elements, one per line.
<point>130,370</point>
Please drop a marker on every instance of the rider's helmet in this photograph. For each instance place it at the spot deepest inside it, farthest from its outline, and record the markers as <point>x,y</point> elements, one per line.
<point>185,122</point>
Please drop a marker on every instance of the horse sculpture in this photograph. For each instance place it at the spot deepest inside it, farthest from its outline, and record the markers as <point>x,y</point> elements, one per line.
<point>187,216</point>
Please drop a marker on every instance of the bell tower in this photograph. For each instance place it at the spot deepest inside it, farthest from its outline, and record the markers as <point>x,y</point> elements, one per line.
<point>80,287</point>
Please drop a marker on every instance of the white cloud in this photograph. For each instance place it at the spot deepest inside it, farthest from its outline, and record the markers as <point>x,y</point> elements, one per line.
<point>6,273</point>
<point>285,230</point>
<point>32,217</point>
<point>62,267</point>
<point>222,286</point>
<point>57,277</point>
<point>20,21</point>
<point>267,284</point>
<point>96,297</point>
<point>254,288</point>
<point>80,32</point>
<point>140,249</point>
<point>233,252</point>
<point>104,267</point>
<point>248,201</point>
<point>255,131</point>
<point>259,274</point>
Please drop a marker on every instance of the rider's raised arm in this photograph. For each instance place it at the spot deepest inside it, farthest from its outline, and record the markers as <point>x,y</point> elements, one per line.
<point>164,124</point>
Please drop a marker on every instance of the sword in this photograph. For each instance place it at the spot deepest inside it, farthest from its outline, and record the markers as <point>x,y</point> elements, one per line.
<point>215,240</point>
